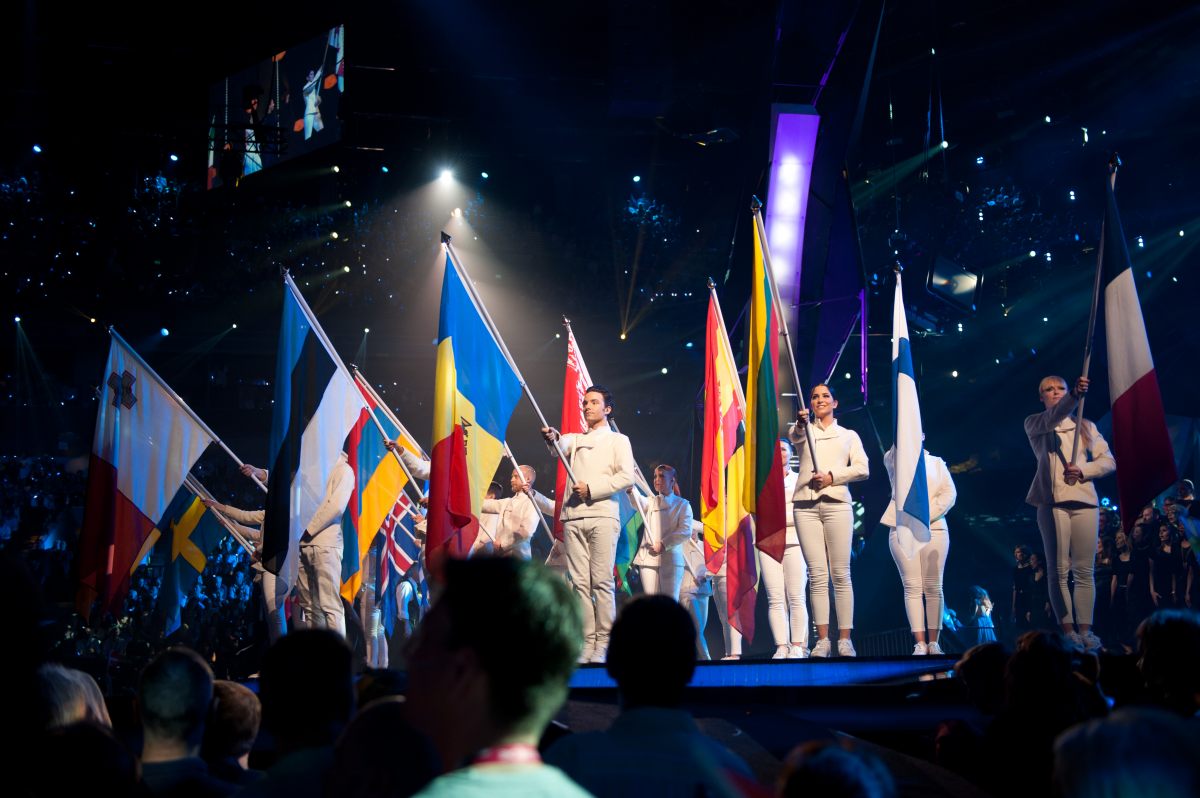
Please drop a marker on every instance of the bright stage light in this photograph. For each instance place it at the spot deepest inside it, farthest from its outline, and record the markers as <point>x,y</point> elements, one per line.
<point>1071,194</point>
<point>689,345</point>
<point>456,213</point>
<point>847,375</point>
<point>664,369</point>
<point>336,169</point>
<point>92,320</point>
<point>979,160</point>
<point>333,234</point>
<point>637,178</point>
<point>384,169</point>
<point>164,332</point>
<point>484,175</point>
<point>174,158</point>
<point>1047,119</point>
<point>1181,234</point>
<point>954,374</point>
<point>235,325</point>
<point>622,334</point>
<point>1033,253</point>
<point>346,269</point>
<point>37,149</point>
<point>446,176</point>
<point>366,330</point>
<point>945,144</point>
<point>349,204</point>
<point>17,319</point>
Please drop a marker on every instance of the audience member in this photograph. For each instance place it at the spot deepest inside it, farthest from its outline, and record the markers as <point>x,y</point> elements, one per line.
<point>488,670</point>
<point>653,747</point>
<point>307,694</point>
<point>1134,753</point>
<point>173,701</point>
<point>231,731</point>
<point>827,769</point>
<point>1169,659</point>
<point>83,758</point>
<point>380,754</point>
<point>69,696</point>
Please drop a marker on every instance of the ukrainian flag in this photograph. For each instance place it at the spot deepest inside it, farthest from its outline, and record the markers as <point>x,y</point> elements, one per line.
<point>475,393</point>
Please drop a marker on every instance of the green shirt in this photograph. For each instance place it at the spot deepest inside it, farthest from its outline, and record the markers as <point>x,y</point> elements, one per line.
<point>502,781</point>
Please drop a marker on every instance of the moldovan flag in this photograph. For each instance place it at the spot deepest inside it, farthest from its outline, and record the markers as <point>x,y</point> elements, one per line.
<point>910,493</point>
<point>378,483</point>
<point>475,393</point>
<point>1141,443</point>
<point>146,442</point>
<point>316,406</point>
<point>764,467</point>
<point>728,526</point>
<point>575,384</point>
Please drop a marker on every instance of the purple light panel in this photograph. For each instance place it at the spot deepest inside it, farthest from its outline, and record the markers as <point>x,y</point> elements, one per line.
<point>793,142</point>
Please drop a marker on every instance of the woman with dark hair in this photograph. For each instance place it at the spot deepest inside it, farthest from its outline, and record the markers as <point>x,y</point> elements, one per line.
<point>824,518</point>
<point>1118,589</point>
<point>1102,620</point>
<point>1068,509</point>
<point>1022,589</point>
<point>1166,570</point>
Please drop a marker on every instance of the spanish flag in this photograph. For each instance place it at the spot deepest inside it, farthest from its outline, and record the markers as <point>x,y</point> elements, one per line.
<point>763,494</point>
<point>475,393</point>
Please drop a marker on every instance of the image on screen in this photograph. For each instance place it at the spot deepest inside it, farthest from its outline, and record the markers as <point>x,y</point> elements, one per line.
<point>280,108</point>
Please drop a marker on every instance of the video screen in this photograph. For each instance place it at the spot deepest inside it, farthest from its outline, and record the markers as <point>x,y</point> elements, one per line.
<point>278,109</point>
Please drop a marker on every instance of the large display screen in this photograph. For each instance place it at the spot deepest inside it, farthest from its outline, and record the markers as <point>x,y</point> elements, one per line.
<point>278,109</point>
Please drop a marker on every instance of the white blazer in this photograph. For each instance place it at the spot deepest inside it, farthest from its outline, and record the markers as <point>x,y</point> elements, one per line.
<point>942,493</point>
<point>603,460</point>
<point>668,521</point>
<point>519,519</point>
<point>1053,431</point>
<point>839,451</point>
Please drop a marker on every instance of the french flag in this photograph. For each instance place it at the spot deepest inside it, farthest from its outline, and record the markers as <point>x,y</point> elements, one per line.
<point>1141,442</point>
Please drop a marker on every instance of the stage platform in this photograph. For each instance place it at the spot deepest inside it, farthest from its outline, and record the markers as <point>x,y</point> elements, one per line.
<point>794,673</point>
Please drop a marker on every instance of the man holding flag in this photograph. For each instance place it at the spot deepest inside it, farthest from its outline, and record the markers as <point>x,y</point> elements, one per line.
<point>602,461</point>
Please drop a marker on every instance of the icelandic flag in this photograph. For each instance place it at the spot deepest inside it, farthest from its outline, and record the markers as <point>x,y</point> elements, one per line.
<point>400,552</point>
<point>1141,443</point>
<point>910,489</point>
<point>189,533</point>
<point>316,406</point>
<point>146,442</point>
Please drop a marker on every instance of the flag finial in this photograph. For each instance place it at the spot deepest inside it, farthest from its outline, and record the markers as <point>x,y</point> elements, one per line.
<point>446,237</point>
<point>755,204</point>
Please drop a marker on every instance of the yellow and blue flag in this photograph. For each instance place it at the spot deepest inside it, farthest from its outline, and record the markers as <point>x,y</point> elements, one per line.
<point>187,534</point>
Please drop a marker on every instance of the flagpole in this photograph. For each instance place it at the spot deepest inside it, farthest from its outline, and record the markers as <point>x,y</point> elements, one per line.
<point>171,392</point>
<point>362,381</point>
<point>756,208</point>
<point>1113,165</point>
<point>196,487</point>
<point>483,312</point>
<point>525,487</point>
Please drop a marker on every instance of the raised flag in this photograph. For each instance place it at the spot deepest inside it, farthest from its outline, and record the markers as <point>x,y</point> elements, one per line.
<point>632,522</point>
<point>400,551</point>
<point>763,491</point>
<point>316,406</point>
<point>1141,442</point>
<point>575,384</point>
<point>910,492</point>
<point>146,441</point>
<point>724,412</point>
<point>189,532</point>
<point>475,393</point>
<point>379,482</point>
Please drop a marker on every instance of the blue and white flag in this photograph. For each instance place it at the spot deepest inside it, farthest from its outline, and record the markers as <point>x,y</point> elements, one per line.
<point>910,488</point>
<point>316,406</point>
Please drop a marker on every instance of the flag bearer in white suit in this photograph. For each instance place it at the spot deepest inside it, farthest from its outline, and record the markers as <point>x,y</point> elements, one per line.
<point>1068,510</point>
<point>697,586</point>
<point>517,517</point>
<point>921,558</point>
<point>668,527</point>
<point>602,461</point>
<point>824,518</point>
<point>787,603</point>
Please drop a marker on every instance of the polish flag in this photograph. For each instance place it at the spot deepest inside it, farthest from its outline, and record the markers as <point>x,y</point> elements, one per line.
<point>146,442</point>
<point>1141,442</point>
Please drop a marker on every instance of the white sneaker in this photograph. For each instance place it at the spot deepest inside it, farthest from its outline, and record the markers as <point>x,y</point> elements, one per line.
<point>920,650</point>
<point>585,656</point>
<point>1091,643</point>
<point>781,652</point>
<point>1075,641</point>
<point>821,649</point>
<point>797,652</point>
<point>599,655</point>
<point>935,650</point>
<point>731,657</point>
<point>846,648</point>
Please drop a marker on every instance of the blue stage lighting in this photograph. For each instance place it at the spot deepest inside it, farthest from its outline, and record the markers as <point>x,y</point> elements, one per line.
<point>164,332</point>
<point>37,149</point>
<point>484,175</point>
<point>174,158</point>
<point>979,160</point>
<point>384,169</point>
<point>637,178</point>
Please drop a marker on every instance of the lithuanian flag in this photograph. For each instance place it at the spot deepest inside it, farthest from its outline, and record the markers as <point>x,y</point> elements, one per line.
<point>763,492</point>
<point>475,393</point>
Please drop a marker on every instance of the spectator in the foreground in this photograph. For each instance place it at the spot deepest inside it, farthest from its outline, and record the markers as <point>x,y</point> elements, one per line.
<point>380,754</point>
<point>653,747</point>
<point>69,696</point>
<point>231,731</point>
<point>173,700</point>
<point>1169,659</point>
<point>1134,753</point>
<point>83,758</point>
<point>307,692</point>
<point>826,768</point>
<point>488,670</point>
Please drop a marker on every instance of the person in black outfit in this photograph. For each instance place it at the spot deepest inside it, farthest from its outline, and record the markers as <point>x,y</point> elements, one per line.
<point>1022,592</point>
<point>1166,571</point>
<point>1122,578</point>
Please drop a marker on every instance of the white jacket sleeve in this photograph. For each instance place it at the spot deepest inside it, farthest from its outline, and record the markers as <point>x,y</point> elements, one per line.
<point>858,469</point>
<point>493,506</point>
<point>337,496</point>
<point>1102,463</point>
<point>416,466</point>
<point>943,498</point>
<point>242,516</point>
<point>1044,422</point>
<point>622,476</point>
<point>682,530</point>
<point>544,504</point>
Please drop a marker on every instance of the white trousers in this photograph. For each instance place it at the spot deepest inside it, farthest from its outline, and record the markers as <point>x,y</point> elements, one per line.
<point>825,529</point>
<point>274,605</point>
<point>664,579</point>
<point>591,545</point>
<point>787,604</point>
<point>921,564</point>
<point>696,603</point>
<point>1069,533</point>
<point>370,615</point>
<point>733,638</point>
<point>318,588</point>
